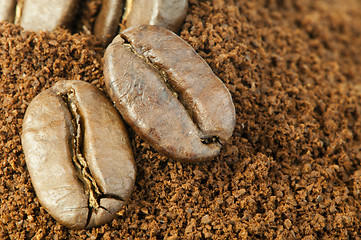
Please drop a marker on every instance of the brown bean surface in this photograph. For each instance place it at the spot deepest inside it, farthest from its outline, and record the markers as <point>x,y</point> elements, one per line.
<point>169,14</point>
<point>108,20</point>
<point>168,94</point>
<point>165,13</point>
<point>7,10</point>
<point>78,154</point>
<point>47,15</point>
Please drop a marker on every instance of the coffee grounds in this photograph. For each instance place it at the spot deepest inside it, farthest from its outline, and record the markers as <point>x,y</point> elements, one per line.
<point>291,169</point>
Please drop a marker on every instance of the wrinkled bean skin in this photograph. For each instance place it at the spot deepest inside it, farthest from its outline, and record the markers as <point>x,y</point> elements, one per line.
<point>169,14</point>
<point>168,94</point>
<point>7,10</point>
<point>108,19</point>
<point>49,130</point>
<point>47,15</point>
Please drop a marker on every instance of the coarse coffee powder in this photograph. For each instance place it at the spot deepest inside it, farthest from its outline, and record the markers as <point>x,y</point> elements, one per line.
<point>291,169</point>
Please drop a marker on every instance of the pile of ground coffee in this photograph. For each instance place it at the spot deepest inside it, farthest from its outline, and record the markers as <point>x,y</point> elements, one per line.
<point>292,168</point>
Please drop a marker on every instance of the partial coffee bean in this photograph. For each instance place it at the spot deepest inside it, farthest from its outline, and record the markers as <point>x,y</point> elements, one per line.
<point>169,14</point>
<point>78,154</point>
<point>107,22</point>
<point>165,13</point>
<point>7,10</point>
<point>168,94</point>
<point>47,15</point>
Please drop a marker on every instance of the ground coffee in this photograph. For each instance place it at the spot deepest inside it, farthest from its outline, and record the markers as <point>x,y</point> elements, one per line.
<point>292,168</point>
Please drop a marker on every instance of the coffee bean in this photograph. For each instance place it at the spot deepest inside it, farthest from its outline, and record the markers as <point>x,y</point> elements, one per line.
<point>169,14</point>
<point>108,19</point>
<point>168,94</point>
<point>78,154</point>
<point>7,10</point>
<point>47,15</point>
<point>165,13</point>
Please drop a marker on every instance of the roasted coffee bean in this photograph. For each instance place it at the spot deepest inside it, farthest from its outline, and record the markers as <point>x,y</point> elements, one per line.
<point>47,15</point>
<point>7,10</point>
<point>168,94</point>
<point>108,19</point>
<point>169,14</point>
<point>78,154</point>
<point>165,13</point>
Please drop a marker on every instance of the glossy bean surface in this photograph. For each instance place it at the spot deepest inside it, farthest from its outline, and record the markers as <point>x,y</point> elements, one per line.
<point>7,10</point>
<point>47,15</point>
<point>78,154</point>
<point>168,94</point>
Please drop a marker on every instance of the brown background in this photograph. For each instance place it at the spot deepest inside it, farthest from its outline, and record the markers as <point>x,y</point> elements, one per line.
<point>290,171</point>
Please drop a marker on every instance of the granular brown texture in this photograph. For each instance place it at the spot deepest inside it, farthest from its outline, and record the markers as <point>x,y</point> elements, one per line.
<point>292,168</point>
